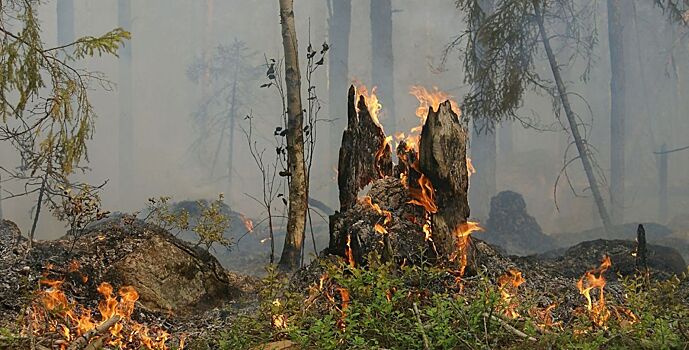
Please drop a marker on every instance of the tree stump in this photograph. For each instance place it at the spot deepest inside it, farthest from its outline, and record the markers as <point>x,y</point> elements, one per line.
<point>365,156</point>
<point>442,158</point>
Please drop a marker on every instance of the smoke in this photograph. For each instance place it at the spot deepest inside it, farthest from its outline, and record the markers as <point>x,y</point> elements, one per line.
<point>169,35</point>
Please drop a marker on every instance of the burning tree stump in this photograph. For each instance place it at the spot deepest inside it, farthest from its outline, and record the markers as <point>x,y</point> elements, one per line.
<point>442,158</point>
<point>365,156</point>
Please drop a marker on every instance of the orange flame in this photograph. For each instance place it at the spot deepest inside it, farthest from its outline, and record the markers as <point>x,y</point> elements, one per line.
<point>594,279</point>
<point>424,195</point>
<point>248,223</point>
<point>462,235</point>
<point>53,312</point>
<point>470,167</point>
<point>348,252</point>
<point>344,294</point>
<point>431,99</point>
<point>508,284</point>
<point>372,102</point>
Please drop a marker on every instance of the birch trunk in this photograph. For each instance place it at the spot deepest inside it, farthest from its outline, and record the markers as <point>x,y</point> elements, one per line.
<point>298,204</point>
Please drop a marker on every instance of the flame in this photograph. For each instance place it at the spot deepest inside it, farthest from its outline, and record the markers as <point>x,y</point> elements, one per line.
<point>380,228</point>
<point>462,235</point>
<point>371,99</point>
<point>424,195</point>
<point>53,312</point>
<point>470,167</point>
<point>430,99</point>
<point>508,284</point>
<point>594,279</point>
<point>248,223</point>
<point>278,320</point>
<point>348,252</point>
<point>344,294</point>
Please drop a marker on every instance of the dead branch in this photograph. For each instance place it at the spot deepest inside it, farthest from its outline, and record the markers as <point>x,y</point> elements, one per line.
<point>426,343</point>
<point>509,327</point>
<point>80,342</point>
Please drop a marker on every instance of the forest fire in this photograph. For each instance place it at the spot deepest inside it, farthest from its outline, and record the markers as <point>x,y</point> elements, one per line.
<point>508,285</point>
<point>53,313</point>
<point>594,279</point>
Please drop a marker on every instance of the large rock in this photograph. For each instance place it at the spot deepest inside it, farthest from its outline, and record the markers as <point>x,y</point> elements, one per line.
<point>511,227</point>
<point>169,274</point>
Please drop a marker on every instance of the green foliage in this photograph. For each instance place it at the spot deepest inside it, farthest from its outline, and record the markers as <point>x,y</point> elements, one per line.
<point>45,111</point>
<point>209,226</point>
<point>374,308</point>
<point>79,208</point>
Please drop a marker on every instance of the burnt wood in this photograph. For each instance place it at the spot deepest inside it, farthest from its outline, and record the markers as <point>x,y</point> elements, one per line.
<point>442,158</point>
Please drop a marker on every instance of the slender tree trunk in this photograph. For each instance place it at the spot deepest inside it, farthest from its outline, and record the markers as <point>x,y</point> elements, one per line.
<point>339,24</point>
<point>617,109</point>
<point>126,122</point>
<point>298,204</point>
<point>483,148</point>
<point>571,119</point>
<point>39,204</point>
<point>382,59</point>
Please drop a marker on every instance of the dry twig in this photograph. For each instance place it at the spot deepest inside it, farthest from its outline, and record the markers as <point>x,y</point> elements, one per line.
<point>426,342</point>
<point>509,327</point>
<point>80,342</point>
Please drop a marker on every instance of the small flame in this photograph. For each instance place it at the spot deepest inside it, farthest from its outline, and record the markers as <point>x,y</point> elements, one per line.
<point>462,235</point>
<point>430,99</point>
<point>371,99</point>
<point>248,223</point>
<point>508,284</point>
<point>470,167</point>
<point>424,195</point>
<point>344,295</point>
<point>278,320</point>
<point>594,279</point>
<point>348,252</point>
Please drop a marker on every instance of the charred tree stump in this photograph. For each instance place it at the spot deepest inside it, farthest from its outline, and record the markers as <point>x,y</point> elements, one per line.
<point>442,158</point>
<point>641,252</point>
<point>365,156</point>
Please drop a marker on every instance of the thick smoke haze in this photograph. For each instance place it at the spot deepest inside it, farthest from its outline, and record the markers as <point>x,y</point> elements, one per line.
<point>168,36</point>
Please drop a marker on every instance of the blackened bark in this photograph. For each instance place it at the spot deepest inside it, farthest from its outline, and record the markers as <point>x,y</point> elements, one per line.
<point>364,154</point>
<point>442,158</point>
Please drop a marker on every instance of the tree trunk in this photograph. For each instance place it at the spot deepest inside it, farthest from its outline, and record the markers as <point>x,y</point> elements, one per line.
<point>339,24</point>
<point>442,158</point>
<point>483,145</point>
<point>126,122</point>
<point>382,59</point>
<point>571,119</point>
<point>298,204</point>
<point>617,109</point>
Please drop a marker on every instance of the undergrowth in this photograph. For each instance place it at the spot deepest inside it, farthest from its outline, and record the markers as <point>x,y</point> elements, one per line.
<point>387,307</point>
